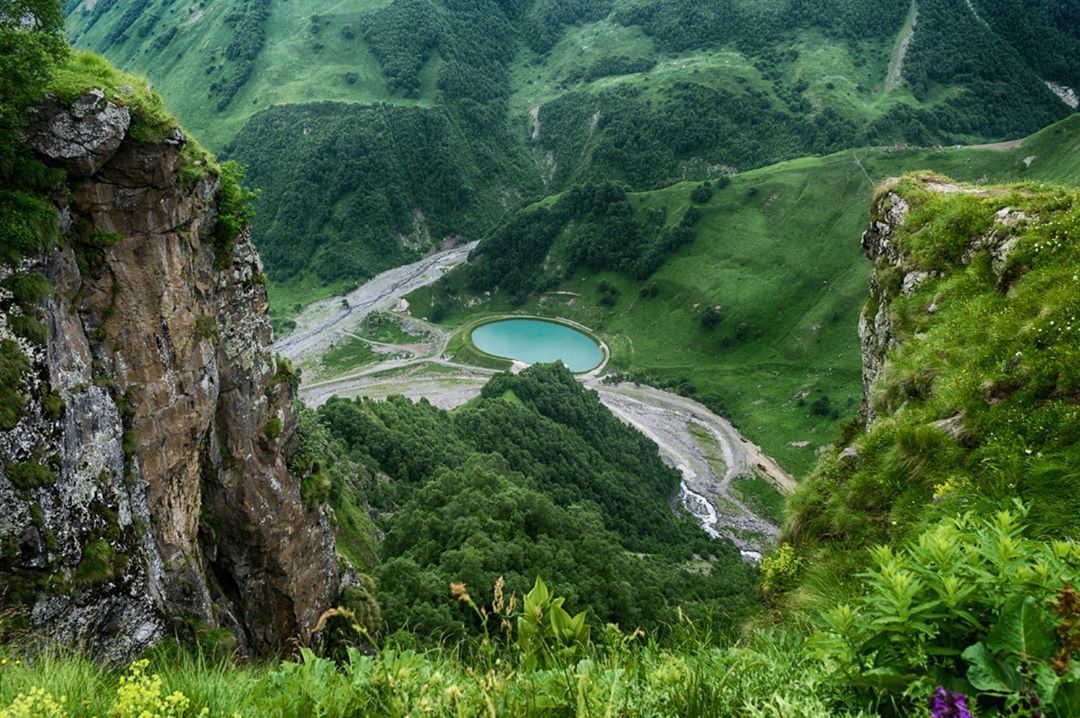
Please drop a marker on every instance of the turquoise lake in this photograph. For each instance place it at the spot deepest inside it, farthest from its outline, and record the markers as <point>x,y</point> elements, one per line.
<point>533,341</point>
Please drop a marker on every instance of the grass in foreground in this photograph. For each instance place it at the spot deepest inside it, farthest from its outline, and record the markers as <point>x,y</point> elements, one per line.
<point>970,611</point>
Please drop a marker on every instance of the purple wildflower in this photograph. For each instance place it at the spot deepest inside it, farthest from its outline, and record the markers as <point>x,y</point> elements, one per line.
<point>946,704</point>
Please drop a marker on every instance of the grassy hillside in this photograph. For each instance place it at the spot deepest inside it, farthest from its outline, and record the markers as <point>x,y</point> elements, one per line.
<point>184,49</point>
<point>775,252</point>
<point>539,96</point>
<point>979,401</point>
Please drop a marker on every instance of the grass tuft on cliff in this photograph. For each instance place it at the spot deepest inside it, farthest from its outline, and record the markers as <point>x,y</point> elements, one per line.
<point>979,401</point>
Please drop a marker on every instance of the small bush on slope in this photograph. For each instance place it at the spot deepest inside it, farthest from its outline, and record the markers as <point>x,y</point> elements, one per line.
<point>969,604</point>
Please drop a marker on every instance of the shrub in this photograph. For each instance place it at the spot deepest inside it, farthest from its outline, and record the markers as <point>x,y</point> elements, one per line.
<point>28,287</point>
<point>206,327</point>
<point>710,318</point>
<point>690,217</point>
<point>29,475</point>
<point>130,441</point>
<point>314,489</point>
<point>30,328</point>
<point>99,563</point>
<point>780,569</point>
<point>27,225</point>
<point>701,194</point>
<point>970,603</point>
<point>13,364</point>
<point>821,406</point>
<point>273,428</point>
<point>236,210</point>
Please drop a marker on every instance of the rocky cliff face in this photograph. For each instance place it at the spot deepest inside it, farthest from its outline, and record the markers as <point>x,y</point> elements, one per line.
<point>897,275</point>
<point>144,491</point>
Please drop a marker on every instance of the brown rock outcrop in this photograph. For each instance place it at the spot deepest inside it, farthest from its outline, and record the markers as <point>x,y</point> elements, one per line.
<point>896,275</point>
<point>173,509</point>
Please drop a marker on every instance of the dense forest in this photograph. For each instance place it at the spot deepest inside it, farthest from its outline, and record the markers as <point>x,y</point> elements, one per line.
<point>601,229</point>
<point>643,139</point>
<point>534,477</point>
<point>334,148</point>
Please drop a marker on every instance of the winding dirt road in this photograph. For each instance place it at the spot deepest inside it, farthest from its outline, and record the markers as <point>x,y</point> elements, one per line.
<point>320,323</point>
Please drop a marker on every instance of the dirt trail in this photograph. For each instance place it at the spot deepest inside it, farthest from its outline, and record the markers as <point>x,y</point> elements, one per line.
<point>896,64</point>
<point>1001,146</point>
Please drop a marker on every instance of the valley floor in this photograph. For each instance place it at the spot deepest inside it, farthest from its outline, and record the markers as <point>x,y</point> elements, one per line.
<point>707,450</point>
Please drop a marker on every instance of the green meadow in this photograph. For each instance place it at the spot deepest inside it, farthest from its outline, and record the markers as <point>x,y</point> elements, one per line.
<point>777,254</point>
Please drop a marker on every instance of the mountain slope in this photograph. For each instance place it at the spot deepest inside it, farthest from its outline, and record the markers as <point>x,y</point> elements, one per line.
<point>770,252</point>
<point>969,344</point>
<point>539,96</point>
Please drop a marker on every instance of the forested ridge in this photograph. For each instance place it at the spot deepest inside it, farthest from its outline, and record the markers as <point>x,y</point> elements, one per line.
<point>534,477</point>
<point>603,232</point>
<point>334,149</point>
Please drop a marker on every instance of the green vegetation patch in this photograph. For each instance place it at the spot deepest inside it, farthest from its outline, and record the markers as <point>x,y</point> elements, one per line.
<point>83,71</point>
<point>13,365</point>
<point>385,328</point>
<point>979,401</point>
<point>100,563</point>
<point>971,612</point>
<point>273,428</point>
<point>30,475</point>
<point>709,446</point>
<point>761,495</point>
<point>329,474</point>
<point>348,354</point>
<point>490,105</point>
<point>536,475</point>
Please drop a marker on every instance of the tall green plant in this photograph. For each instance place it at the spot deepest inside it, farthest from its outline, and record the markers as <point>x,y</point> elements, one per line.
<point>547,635</point>
<point>970,604</point>
<point>236,210</point>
